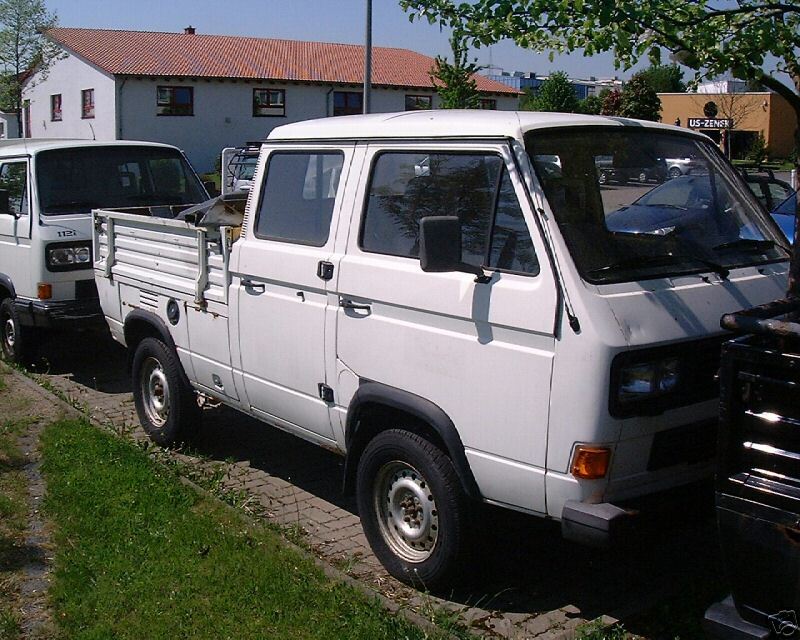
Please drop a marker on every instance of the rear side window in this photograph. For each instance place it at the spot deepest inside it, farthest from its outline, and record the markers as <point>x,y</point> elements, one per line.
<point>407,187</point>
<point>298,197</point>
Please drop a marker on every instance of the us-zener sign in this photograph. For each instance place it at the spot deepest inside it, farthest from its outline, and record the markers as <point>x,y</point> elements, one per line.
<point>710,123</point>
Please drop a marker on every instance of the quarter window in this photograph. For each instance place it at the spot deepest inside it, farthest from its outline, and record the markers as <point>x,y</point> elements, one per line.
<point>175,101</point>
<point>269,102</point>
<point>55,107</point>
<point>347,103</point>
<point>14,179</point>
<point>407,187</point>
<point>87,103</point>
<point>298,196</point>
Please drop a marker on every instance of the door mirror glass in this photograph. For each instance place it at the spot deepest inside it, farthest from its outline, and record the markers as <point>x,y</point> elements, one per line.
<point>440,246</point>
<point>5,207</point>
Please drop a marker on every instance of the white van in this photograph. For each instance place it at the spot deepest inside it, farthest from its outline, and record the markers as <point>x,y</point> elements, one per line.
<point>47,191</point>
<point>456,303</point>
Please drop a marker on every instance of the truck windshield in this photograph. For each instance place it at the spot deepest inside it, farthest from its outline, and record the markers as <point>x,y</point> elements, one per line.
<point>85,178</point>
<point>634,204</point>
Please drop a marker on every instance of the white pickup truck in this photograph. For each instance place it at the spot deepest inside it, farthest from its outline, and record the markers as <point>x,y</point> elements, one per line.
<point>454,302</point>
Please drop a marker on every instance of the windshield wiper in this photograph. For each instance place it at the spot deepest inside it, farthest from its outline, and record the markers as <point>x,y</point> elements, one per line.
<point>748,244</point>
<point>667,258</point>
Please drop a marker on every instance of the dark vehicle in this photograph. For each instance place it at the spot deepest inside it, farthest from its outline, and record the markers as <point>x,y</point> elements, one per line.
<point>784,215</point>
<point>608,172</point>
<point>769,190</point>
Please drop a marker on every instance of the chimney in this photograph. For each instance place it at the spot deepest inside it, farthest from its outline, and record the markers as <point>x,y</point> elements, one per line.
<point>189,31</point>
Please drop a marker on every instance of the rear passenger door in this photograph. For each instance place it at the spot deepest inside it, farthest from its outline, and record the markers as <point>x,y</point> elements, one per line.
<point>481,352</point>
<point>281,272</point>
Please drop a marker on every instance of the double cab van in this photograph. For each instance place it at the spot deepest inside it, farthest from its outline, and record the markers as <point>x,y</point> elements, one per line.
<point>441,298</point>
<point>47,191</point>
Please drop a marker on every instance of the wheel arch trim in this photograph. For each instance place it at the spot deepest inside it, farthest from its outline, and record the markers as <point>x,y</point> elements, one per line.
<point>8,285</point>
<point>376,393</point>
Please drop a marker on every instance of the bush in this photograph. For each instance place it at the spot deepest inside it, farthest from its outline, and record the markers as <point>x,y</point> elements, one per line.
<point>758,150</point>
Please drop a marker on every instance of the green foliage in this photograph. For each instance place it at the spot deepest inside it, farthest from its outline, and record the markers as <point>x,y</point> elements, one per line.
<point>591,105</point>
<point>664,78</point>
<point>455,81</point>
<point>612,103</point>
<point>139,555</point>
<point>639,100</point>
<point>596,630</point>
<point>555,94</point>
<point>758,150</point>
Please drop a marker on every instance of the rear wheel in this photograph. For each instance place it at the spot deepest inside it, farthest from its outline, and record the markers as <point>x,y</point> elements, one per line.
<point>165,402</point>
<point>17,341</point>
<point>674,172</point>
<point>413,508</point>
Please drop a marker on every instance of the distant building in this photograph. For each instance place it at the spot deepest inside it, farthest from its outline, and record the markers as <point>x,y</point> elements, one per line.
<point>530,82</point>
<point>206,92</point>
<point>722,86</point>
<point>8,125</point>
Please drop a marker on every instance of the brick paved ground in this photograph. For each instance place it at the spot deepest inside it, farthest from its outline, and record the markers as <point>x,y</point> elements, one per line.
<point>528,583</point>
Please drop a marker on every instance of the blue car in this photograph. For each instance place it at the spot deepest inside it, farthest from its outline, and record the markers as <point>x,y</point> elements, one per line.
<point>784,215</point>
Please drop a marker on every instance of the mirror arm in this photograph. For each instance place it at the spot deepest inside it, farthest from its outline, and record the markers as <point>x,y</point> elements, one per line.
<point>479,273</point>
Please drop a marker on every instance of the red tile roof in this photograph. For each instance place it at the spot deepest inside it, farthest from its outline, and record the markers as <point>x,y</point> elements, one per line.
<point>146,53</point>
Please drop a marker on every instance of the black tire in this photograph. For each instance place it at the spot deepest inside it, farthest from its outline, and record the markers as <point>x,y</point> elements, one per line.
<point>18,343</point>
<point>413,509</point>
<point>165,402</point>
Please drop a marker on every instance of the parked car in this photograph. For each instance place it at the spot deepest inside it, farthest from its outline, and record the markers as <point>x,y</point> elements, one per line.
<point>426,295</point>
<point>677,167</point>
<point>47,190</point>
<point>784,214</point>
<point>769,190</point>
<point>607,172</point>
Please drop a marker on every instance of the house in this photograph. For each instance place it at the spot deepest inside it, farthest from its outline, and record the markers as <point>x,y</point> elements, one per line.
<point>205,92</point>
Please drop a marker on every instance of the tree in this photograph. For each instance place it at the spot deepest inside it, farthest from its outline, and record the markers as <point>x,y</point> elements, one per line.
<point>23,47</point>
<point>555,94</point>
<point>455,82</point>
<point>639,100</point>
<point>612,103</point>
<point>591,105</point>
<point>664,78</point>
<point>733,107</point>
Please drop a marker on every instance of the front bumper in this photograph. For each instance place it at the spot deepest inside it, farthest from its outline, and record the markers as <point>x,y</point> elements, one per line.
<point>57,314</point>
<point>723,621</point>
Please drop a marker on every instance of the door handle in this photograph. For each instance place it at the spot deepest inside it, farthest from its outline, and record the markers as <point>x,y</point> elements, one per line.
<point>254,287</point>
<point>344,303</point>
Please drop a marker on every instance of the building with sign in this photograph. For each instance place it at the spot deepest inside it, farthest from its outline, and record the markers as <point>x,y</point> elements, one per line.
<point>744,115</point>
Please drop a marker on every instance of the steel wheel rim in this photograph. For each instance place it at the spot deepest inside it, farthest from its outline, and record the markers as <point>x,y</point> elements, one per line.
<point>155,392</point>
<point>406,509</point>
<point>9,334</point>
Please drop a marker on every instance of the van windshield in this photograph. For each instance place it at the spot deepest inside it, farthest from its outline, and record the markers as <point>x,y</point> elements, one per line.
<point>634,204</point>
<point>85,178</point>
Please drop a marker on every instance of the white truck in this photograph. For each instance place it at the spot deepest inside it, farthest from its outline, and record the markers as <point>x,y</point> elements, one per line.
<point>455,303</point>
<point>47,191</point>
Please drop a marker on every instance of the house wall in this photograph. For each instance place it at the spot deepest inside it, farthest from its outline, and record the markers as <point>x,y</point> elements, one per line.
<point>68,77</point>
<point>10,129</point>
<point>223,112</point>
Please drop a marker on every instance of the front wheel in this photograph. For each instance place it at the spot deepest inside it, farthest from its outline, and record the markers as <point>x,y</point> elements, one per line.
<point>17,340</point>
<point>413,508</point>
<point>165,402</point>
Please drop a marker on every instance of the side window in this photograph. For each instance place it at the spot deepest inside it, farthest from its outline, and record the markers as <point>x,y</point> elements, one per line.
<point>407,187</point>
<point>14,179</point>
<point>298,196</point>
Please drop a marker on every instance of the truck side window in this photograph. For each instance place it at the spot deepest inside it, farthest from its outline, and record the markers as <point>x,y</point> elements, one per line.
<point>14,178</point>
<point>407,187</point>
<point>298,196</point>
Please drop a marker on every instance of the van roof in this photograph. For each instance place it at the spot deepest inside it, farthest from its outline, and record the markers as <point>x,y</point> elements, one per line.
<point>31,146</point>
<point>448,123</point>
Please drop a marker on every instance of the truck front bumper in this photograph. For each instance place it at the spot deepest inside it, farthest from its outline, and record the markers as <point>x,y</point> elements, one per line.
<point>59,314</point>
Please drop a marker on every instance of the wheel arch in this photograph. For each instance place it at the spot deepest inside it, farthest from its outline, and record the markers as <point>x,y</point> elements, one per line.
<point>6,287</point>
<point>140,324</point>
<point>373,402</point>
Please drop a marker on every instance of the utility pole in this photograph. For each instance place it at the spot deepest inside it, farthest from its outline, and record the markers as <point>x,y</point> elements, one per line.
<point>367,97</point>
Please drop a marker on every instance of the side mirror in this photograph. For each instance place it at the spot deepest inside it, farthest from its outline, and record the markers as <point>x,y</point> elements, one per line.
<point>440,247</point>
<point>5,204</point>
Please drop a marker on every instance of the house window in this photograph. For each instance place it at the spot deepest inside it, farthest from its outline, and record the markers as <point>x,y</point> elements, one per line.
<point>55,107</point>
<point>87,103</point>
<point>269,102</point>
<point>347,103</point>
<point>487,103</point>
<point>175,101</point>
<point>418,103</point>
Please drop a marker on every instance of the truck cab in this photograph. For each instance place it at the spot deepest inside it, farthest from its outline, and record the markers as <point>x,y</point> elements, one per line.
<point>47,191</point>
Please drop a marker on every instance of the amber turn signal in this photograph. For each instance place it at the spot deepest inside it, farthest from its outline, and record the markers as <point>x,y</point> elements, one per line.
<point>44,291</point>
<point>590,463</point>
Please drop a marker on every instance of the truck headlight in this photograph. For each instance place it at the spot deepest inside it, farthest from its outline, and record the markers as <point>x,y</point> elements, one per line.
<point>66,256</point>
<point>640,380</point>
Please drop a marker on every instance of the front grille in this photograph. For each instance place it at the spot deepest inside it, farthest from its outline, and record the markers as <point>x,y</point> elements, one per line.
<point>689,444</point>
<point>85,290</point>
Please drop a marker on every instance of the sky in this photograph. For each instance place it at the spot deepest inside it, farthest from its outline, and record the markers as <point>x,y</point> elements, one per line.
<point>320,20</point>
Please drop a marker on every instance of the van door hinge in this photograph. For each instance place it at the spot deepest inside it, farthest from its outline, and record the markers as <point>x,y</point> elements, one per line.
<point>324,270</point>
<point>325,392</point>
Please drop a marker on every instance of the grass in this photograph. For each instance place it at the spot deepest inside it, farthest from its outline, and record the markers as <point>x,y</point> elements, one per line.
<point>141,555</point>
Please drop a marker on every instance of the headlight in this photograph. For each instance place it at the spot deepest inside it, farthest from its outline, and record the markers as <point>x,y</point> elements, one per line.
<point>640,380</point>
<point>67,256</point>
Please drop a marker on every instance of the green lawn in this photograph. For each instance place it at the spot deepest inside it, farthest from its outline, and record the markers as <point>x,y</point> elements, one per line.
<point>142,556</point>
